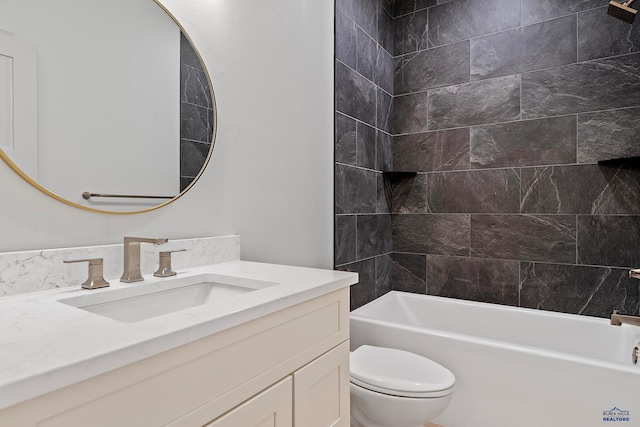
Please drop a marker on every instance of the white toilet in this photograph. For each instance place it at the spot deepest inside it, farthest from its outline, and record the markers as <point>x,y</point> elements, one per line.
<point>396,388</point>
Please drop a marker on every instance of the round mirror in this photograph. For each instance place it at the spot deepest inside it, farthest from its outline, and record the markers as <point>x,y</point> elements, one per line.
<point>104,105</point>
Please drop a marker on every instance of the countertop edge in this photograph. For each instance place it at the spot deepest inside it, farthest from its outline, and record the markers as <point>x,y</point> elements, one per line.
<point>30,387</point>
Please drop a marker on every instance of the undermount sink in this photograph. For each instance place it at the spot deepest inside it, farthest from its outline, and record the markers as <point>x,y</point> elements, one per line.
<point>145,301</point>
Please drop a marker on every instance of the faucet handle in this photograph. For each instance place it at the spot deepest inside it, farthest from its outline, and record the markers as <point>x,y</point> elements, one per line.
<point>164,267</point>
<point>95,279</point>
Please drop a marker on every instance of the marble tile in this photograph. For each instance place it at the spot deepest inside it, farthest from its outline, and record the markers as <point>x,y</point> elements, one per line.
<point>482,102</point>
<point>373,235</point>
<point>464,19</point>
<point>384,111</point>
<point>410,113</point>
<point>365,14</point>
<point>542,10</point>
<point>408,193</point>
<point>345,239</point>
<point>383,73</point>
<point>345,149</point>
<point>188,55</point>
<point>345,40</point>
<point>365,290</point>
<point>550,238</point>
<point>193,156</point>
<point>409,273</point>
<point>583,87</point>
<point>355,95</point>
<point>383,274</point>
<point>384,152</point>
<point>346,7</point>
<point>32,271</point>
<point>384,194</point>
<point>387,6</point>
<point>484,280</point>
<point>524,143</point>
<point>432,151</point>
<point>355,190</point>
<point>591,291</point>
<point>385,28</point>
<point>212,122</point>
<point>442,66</point>
<point>366,54</point>
<point>601,35</point>
<point>534,47</point>
<point>195,124</point>
<point>609,240</point>
<point>431,234</point>
<point>410,32</point>
<point>195,87</point>
<point>365,146</point>
<point>402,7</point>
<point>608,135</point>
<point>581,189</point>
<point>491,191</point>
<point>185,181</point>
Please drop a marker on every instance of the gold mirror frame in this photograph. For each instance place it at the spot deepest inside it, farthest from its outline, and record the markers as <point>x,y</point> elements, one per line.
<point>49,193</point>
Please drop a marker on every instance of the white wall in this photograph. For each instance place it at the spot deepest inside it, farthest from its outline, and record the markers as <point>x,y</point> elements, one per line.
<point>271,175</point>
<point>101,76</point>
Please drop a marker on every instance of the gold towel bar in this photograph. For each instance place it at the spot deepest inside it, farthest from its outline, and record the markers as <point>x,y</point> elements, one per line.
<point>87,195</point>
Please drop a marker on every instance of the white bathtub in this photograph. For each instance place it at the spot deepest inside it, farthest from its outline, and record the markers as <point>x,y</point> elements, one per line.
<point>514,367</point>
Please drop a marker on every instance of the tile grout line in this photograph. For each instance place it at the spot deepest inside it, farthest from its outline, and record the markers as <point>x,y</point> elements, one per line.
<point>520,169</point>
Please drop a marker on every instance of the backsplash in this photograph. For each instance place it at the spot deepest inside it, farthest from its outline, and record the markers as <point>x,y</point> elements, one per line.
<point>32,271</point>
<point>503,109</point>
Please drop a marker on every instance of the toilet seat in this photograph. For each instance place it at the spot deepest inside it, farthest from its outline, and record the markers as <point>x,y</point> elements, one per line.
<point>399,373</point>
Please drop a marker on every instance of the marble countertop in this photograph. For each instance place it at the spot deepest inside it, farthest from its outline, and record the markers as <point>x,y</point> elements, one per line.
<point>46,345</point>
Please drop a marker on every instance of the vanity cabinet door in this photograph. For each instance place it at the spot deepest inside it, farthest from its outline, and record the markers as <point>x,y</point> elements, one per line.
<point>321,390</point>
<point>271,408</point>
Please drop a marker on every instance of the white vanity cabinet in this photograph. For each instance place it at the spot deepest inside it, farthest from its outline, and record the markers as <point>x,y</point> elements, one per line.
<point>316,395</point>
<point>271,408</point>
<point>286,368</point>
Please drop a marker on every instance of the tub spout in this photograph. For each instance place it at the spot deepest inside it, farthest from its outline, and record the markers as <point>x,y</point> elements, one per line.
<point>619,319</point>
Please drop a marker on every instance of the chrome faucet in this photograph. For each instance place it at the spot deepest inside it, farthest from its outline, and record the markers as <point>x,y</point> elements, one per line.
<point>132,257</point>
<point>619,319</point>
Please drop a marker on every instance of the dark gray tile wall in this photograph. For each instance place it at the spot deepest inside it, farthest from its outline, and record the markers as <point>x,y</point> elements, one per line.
<point>591,291</point>
<point>484,280</point>
<point>196,115</point>
<point>465,19</point>
<point>522,49</point>
<point>503,109</point>
<point>431,68</point>
<point>431,151</point>
<point>608,134</point>
<point>408,272</point>
<point>602,84</point>
<point>364,79</point>
<point>549,141</point>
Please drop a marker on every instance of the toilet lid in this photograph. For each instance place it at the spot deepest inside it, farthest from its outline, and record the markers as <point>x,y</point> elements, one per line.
<point>399,372</point>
